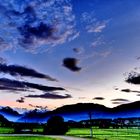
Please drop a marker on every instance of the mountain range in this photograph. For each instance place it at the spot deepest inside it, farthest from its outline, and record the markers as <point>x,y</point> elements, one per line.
<point>76,112</point>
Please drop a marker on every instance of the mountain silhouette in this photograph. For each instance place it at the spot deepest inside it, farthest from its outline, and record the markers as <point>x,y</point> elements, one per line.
<point>10,113</point>
<point>76,112</point>
<point>81,111</point>
<point>3,119</point>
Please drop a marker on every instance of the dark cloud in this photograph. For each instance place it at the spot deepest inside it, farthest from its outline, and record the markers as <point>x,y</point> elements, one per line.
<point>133,78</point>
<point>71,64</point>
<point>21,100</point>
<point>128,90</point>
<point>42,87</point>
<point>37,23</point>
<point>16,70</point>
<point>138,58</point>
<point>5,88</point>
<point>78,50</point>
<point>31,34</point>
<point>98,98</point>
<point>50,96</point>
<point>116,88</point>
<point>120,100</point>
<point>21,85</point>
<point>117,102</point>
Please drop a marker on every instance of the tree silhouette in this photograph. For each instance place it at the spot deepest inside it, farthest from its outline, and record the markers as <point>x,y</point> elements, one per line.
<point>55,126</point>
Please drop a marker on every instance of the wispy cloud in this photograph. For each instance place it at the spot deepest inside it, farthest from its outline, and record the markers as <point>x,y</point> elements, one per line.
<point>50,96</point>
<point>105,53</point>
<point>128,90</point>
<point>120,100</point>
<point>98,42</point>
<point>92,24</point>
<point>8,84</point>
<point>4,45</point>
<point>16,70</point>
<point>118,103</point>
<point>3,60</point>
<point>96,27</point>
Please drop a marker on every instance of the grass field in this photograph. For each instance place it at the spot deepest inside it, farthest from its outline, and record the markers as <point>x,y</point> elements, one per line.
<point>98,134</point>
<point>107,134</point>
<point>5,130</point>
<point>26,138</point>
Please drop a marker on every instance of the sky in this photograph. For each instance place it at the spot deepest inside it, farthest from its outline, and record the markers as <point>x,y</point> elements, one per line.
<point>59,52</point>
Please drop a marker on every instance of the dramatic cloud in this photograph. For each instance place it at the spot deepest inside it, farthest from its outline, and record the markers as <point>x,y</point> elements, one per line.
<point>36,23</point>
<point>16,70</point>
<point>50,96</point>
<point>98,98</point>
<point>21,100</point>
<point>120,100</point>
<point>71,64</point>
<point>133,78</point>
<point>21,85</point>
<point>128,90</point>
<point>31,35</point>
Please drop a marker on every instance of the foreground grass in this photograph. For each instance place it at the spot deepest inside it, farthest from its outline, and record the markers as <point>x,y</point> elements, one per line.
<point>107,134</point>
<point>27,138</point>
<point>5,130</point>
<point>98,134</point>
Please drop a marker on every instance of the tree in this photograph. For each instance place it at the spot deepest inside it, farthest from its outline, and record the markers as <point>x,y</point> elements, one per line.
<point>55,126</point>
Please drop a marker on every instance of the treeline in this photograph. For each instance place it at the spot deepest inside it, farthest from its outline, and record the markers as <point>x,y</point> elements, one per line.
<point>106,123</point>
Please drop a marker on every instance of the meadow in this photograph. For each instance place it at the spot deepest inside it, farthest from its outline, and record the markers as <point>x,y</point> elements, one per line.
<point>98,134</point>
<point>107,134</point>
<point>27,138</point>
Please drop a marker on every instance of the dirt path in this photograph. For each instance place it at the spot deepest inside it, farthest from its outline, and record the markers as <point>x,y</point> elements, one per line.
<point>52,136</point>
<point>68,138</point>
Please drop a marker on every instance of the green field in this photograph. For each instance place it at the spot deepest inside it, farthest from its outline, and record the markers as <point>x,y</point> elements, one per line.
<point>107,134</point>
<point>26,138</point>
<point>98,134</point>
<point>5,130</point>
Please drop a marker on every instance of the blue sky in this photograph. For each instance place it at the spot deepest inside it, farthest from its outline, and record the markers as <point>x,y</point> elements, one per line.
<point>105,34</point>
